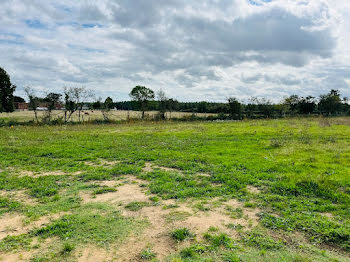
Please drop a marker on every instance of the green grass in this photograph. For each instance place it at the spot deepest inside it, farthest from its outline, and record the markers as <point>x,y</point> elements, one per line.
<point>300,166</point>
<point>181,234</point>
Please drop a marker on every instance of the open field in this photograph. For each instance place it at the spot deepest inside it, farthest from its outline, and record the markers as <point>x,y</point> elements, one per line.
<point>90,115</point>
<point>267,190</point>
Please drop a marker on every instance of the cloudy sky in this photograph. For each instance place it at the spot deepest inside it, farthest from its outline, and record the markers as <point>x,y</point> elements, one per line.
<point>193,50</point>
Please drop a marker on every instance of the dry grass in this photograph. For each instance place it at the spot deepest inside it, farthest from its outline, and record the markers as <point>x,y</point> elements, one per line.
<point>90,115</point>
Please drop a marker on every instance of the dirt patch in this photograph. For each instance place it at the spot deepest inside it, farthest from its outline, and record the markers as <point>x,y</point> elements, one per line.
<point>162,221</point>
<point>94,254</point>
<point>253,190</point>
<point>20,196</point>
<point>51,173</point>
<point>203,175</point>
<point>149,167</point>
<point>125,193</point>
<point>329,215</point>
<point>102,163</point>
<point>13,224</point>
<point>16,257</point>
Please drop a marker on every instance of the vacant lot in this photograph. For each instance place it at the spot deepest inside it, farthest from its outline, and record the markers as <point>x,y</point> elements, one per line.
<point>276,190</point>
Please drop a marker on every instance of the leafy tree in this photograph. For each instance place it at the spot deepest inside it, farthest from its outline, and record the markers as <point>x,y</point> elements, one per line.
<point>172,105</point>
<point>162,103</point>
<point>235,108</point>
<point>142,95</point>
<point>18,99</point>
<point>97,104</point>
<point>307,105</point>
<point>6,92</point>
<point>51,100</point>
<point>33,101</point>
<point>330,103</point>
<point>107,106</point>
<point>292,102</point>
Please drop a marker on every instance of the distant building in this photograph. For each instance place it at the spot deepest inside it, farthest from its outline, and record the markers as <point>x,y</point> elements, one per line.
<point>21,106</point>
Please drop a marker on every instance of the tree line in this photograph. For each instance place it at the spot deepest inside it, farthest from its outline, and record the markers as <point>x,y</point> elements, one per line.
<point>74,99</point>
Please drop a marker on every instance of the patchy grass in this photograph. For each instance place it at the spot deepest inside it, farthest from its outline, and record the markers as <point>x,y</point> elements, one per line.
<point>136,206</point>
<point>295,172</point>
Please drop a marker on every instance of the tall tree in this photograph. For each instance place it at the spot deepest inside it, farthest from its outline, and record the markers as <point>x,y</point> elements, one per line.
<point>235,108</point>
<point>330,103</point>
<point>162,103</point>
<point>142,95</point>
<point>33,101</point>
<point>52,99</point>
<point>6,92</point>
<point>107,106</point>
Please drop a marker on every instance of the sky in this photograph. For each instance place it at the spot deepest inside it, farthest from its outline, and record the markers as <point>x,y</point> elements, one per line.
<point>194,50</point>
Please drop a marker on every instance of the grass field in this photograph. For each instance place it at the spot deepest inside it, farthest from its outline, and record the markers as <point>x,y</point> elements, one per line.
<point>91,115</point>
<point>267,190</point>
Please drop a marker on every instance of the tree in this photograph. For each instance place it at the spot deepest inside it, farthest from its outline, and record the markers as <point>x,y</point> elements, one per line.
<point>292,102</point>
<point>107,106</point>
<point>330,103</point>
<point>6,92</point>
<point>142,95</point>
<point>33,101</point>
<point>74,99</point>
<point>307,105</point>
<point>235,108</point>
<point>172,105</point>
<point>18,99</point>
<point>52,99</point>
<point>162,103</point>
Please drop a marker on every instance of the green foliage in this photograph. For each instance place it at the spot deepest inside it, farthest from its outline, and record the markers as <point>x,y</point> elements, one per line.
<point>6,92</point>
<point>181,234</point>
<point>11,243</point>
<point>94,223</point>
<point>261,240</point>
<point>147,254</point>
<point>136,206</point>
<point>220,240</point>
<point>104,190</point>
<point>142,95</point>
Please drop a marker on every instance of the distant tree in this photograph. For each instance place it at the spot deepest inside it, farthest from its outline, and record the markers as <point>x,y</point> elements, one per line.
<point>292,103</point>
<point>264,106</point>
<point>74,100</point>
<point>6,92</point>
<point>142,95</point>
<point>97,104</point>
<point>162,103</point>
<point>51,100</point>
<point>18,99</point>
<point>33,101</point>
<point>107,106</point>
<point>307,105</point>
<point>172,105</point>
<point>330,103</point>
<point>235,108</point>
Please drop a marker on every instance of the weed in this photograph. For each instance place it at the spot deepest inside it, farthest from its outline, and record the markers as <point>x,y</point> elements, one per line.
<point>147,254</point>
<point>136,206</point>
<point>181,234</point>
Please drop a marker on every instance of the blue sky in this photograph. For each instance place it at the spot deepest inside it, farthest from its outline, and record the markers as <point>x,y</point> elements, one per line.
<point>193,50</point>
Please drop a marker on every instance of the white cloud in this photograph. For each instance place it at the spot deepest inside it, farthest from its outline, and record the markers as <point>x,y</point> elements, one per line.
<point>194,50</point>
